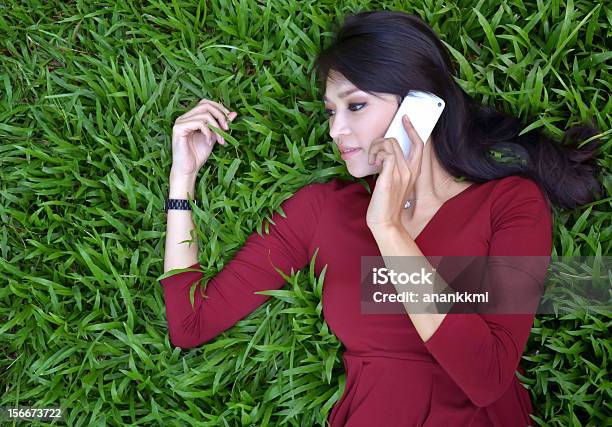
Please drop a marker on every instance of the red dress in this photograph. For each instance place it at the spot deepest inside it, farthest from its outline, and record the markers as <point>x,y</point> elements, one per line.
<point>463,375</point>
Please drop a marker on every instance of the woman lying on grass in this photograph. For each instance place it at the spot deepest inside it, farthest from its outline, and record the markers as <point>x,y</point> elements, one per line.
<point>411,368</point>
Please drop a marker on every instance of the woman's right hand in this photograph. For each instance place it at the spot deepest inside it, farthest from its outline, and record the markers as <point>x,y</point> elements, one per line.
<point>193,141</point>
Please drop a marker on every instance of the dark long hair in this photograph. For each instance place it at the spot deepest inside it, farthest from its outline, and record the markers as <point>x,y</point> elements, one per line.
<point>395,52</point>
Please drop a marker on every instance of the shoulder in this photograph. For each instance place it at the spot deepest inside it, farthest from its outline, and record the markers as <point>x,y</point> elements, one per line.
<point>309,197</point>
<point>317,190</point>
<point>332,187</point>
<point>317,196</point>
<point>514,189</point>
<point>514,196</point>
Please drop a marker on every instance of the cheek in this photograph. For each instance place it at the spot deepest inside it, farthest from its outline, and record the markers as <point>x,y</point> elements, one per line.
<point>378,124</point>
<point>366,150</point>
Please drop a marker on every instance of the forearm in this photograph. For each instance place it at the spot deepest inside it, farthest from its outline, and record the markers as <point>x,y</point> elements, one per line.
<point>396,242</point>
<point>179,252</point>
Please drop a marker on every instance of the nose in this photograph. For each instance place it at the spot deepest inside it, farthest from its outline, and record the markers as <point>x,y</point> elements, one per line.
<point>337,127</point>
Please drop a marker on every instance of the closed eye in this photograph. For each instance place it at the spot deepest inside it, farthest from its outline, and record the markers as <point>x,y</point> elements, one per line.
<point>362,104</point>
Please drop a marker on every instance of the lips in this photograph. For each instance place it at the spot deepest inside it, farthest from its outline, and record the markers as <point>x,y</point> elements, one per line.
<point>349,152</point>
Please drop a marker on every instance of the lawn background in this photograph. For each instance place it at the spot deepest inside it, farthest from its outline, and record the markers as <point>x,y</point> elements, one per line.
<point>88,96</point>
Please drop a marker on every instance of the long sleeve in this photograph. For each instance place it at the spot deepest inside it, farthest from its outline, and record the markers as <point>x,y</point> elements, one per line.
<point>230,295</point>
<point>481,352</point>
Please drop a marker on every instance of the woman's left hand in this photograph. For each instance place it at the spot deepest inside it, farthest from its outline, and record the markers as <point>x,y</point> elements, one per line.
<point>396,180</point>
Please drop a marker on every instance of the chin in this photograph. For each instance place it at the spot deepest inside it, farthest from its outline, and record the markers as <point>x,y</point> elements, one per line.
<point>361,171</point>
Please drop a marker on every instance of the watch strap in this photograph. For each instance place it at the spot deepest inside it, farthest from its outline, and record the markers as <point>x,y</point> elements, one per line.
<point>179,204</point>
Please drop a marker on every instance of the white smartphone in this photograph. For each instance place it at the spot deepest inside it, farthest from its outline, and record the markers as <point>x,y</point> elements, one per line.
<point>423,109</point>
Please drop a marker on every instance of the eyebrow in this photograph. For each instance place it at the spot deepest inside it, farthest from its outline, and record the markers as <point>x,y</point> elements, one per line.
<point>343,94</point>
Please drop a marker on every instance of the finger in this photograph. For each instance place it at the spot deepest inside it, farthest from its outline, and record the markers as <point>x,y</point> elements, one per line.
<point>207,119</point>
<point>201,115</point>
<point>397,150</point>
<point>213,136</point>
<point>416,143</point>
<point>377,146</point>
<point>207,109</point>
<point>185,129</point>
<point>198,109</point>
<point>193,126</point>
<point>381,157</point>
<point>218,132</point>
<point>387,146</point>
<point>387,168</point>
<point>412,133</point>
<point>208,134</point>
<point>216,104</point>
<point>397,174</point>
<point>415,157</point>
<point>402,164</point>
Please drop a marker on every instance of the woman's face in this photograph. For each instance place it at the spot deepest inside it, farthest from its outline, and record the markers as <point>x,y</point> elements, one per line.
<point>357,118</point>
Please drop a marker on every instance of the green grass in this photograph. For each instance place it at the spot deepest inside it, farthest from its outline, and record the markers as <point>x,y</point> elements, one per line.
<point>88,96</point>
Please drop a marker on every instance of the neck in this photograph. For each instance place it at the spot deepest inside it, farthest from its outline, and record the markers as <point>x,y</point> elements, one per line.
<point>431,188</point>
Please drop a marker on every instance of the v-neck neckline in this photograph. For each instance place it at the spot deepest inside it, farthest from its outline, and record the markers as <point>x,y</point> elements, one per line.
<point>371,179</point>
<point>442,206</point>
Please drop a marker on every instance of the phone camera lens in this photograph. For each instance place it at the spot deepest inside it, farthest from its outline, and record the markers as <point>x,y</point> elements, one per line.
<point>439,104</point>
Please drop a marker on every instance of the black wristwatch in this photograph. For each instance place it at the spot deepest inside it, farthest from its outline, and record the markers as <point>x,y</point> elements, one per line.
<point>180,204</point>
